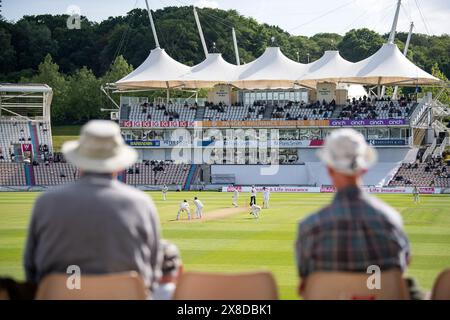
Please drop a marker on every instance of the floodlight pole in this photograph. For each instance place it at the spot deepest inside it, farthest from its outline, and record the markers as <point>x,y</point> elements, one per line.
<point>236,50</point>
<point>200,31</point>
<point>405,51</point>
<point>155,36</point>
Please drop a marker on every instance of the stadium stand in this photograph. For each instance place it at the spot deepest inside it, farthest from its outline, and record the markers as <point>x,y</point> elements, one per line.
<point>157,173</point>
<point>377,109</point>
<point>13,133</point>
<point>296,111</point>
<point>434,173</point>
<point>12,174</point>
<point>161,112</point>
<point>54,174</point>
<point>224,112</point>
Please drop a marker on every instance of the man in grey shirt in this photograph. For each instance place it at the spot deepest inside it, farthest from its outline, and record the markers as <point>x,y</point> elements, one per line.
<point>96,223</point>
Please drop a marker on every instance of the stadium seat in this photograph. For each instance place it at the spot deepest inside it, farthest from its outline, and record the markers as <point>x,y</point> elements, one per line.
<point>353,286</point>
<point>217,286</point>
<point>441,288</point>
<point>118,286</point>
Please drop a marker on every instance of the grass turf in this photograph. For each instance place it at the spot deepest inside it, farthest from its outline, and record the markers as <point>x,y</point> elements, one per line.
<point>61,134</point>
<point>240,243</point>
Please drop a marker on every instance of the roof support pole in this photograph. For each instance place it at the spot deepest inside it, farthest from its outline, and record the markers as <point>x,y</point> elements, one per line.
<point>200,31</point>
<point>236,50</point>
<point>155,36</point>
<point>392,34</point>
<point>394,23</point>
<point>405,51</point>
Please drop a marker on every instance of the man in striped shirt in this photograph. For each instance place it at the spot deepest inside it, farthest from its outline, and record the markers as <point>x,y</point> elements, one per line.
<point>356,230</point>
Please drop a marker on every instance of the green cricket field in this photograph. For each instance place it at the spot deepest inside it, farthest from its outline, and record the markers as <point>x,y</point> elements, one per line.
<point>231,240</point>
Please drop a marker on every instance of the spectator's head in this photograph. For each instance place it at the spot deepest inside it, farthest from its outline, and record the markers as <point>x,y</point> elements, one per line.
<point>100,149</point>
<point>172,265</point>
<point>347,157</point>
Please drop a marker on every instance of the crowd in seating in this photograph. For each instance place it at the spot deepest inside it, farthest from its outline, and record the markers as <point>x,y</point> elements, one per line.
<point>302,111</point>
<point>236,112</point>
<point>435,172</point>
<point>13,133</point>
<point>162,112</point>
<point>157,173</point>
<point>367,108</point>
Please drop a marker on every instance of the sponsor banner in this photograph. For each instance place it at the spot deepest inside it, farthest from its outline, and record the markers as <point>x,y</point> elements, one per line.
<point>387,142</point>
<point>367,122</point>
<point>256,144</point>
<point>157,124</point>
<point>331,189</point>
<point>263,123</point>
<point>273,189</point>
<point>143,144</point>
<point>26,147</point>
<point>157,143</point>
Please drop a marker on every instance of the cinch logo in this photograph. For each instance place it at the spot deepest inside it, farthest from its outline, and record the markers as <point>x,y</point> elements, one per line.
<point>376,122</point>
<point>337,122</point>
<point>357,123</point>
<point>396,121</point>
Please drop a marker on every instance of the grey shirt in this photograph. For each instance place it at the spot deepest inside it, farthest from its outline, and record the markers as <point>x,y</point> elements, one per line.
<point>98,224</point>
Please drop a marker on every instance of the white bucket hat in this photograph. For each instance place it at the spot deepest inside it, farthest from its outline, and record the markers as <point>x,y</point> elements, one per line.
<point>100,148</point>
<point>346,151</point>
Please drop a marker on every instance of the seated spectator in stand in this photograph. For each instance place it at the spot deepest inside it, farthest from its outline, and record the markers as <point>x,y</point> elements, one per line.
<point>172,268</point>
<point>356,230</point>
<point>97,223</point>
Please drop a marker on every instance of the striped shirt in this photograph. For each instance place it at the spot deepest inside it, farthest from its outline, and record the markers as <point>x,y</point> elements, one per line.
<point>355,231</point>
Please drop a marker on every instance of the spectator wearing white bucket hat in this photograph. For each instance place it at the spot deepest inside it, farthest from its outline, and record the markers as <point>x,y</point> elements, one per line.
<point>96,223</point>
<point>356,230</point>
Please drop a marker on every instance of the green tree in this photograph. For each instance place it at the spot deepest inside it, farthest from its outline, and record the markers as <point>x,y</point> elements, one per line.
<point>445,96</point>
<point>359,44</point>
<point>83,97</point>
<point>48,73</point>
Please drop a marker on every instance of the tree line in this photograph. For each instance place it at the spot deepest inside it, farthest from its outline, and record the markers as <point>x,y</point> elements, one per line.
<point>75,62</point>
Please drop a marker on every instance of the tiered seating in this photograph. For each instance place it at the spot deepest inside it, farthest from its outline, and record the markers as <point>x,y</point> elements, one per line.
<point>232,113</point>
<point>43,131</point>
<point>12,174</point>
<point>421,174</point>
<point>300,112</point>
<point>13,132</point>
<point>55,173</point>
<point>157,113</point>
<point>172,174</point>
<point>377,110</point>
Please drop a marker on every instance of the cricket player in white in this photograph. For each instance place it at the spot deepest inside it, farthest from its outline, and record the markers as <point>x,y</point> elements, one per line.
<point>252,195</point>
<point>164,192</point>
<point>199,207</point>
<point>255,210</point>
<point>235,197</point>
<point>184,207</point>
<point>416,194</point>
<point>266,198</point>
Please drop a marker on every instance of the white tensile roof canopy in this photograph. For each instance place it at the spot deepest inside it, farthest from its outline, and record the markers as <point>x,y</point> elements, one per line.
<point>273,70</point>
<point>159,70</point>
<point>330,67</point>
<point>212,71</point>
<point>388,66</point>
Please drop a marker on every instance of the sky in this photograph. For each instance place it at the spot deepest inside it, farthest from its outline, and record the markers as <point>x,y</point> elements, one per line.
<point>298,17</point>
